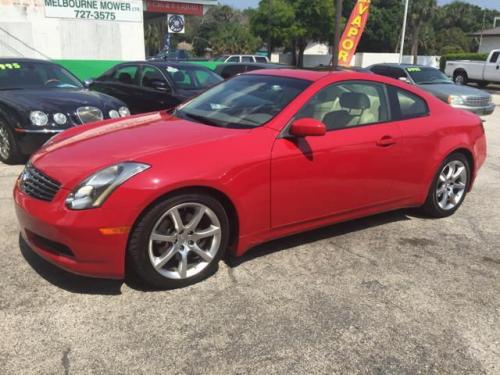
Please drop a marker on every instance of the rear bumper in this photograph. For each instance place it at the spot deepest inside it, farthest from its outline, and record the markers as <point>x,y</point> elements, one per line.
<point>481,111</point>
<point>71,239</point>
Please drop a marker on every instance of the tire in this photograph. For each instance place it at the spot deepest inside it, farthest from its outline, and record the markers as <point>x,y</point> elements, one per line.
<point>460,77</point>
<point>9,150</point>
<point>179,245</point>
<point>446,195</point>
<point>483,84</point>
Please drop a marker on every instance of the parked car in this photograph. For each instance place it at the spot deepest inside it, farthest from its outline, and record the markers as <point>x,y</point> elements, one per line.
<point>39,99</point>
<point>434,81</point>
<point>148,86</point>
<point>263,155</point>
<point>242,59</point>
<point>172,55</point>
<point>229,70</point>
<point>480,72</point>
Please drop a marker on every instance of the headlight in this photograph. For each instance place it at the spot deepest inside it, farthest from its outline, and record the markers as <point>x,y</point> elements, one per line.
<point>455,100</point>
<point>114,113</point>
<point>60,118</point>
<point>124,111</point>
<point>39,118</point>
<point>97,188</point>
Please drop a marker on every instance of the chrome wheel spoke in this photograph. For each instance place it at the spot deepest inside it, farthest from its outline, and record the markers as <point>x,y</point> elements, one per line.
<point>195,221</point>
<point>444,199</point>
<point>458,173</point>
<point>163,237</point>
<point>451,185</point>
<point>460,185</point>
<point>202,253</point>
<point>210,232</point>
<point>161,261</point>
<point>177,220</point>
<point>183,265</point>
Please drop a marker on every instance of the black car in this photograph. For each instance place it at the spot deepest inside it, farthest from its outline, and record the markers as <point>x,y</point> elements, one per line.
<point>148,86</point>
<point>39,99</point>
<point>229,70</point>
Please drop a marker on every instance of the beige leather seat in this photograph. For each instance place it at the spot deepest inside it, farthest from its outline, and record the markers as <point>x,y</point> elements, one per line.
<point>356,109</point>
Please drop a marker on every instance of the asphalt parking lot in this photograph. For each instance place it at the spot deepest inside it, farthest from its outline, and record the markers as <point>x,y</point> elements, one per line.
<point>391,294</point>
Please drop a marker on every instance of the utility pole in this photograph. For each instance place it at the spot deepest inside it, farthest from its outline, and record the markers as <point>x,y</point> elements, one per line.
<point>403,32</point>
<point>336,38</point>
<point>269,26</point>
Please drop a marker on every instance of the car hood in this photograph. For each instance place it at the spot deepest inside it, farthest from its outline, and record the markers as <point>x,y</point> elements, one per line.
<point>57,100</point>
<point>77,153</point>
<point>443,90</point>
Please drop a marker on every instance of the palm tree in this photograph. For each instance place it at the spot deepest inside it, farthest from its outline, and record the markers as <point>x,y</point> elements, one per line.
<point>421,13</point>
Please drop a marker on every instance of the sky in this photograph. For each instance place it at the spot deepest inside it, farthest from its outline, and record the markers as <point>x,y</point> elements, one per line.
<point>493,4</point>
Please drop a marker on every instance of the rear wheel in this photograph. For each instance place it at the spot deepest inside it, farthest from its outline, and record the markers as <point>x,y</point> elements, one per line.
<point>449,187</point>
<point>179,241</point>
<point>9,151</point>
<point>460,77</point>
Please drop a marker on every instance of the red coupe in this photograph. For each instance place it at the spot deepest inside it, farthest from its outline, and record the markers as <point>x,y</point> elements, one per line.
<point>260,156</point>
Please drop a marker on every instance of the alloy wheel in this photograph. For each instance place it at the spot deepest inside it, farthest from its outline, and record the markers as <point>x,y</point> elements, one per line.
<point>4,143</point>
<point>451,185</point>
<point>184,240</point>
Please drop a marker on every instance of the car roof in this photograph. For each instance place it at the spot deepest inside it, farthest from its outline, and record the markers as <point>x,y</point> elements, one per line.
<point>263,65</point>
<point>310,75</point>
<point>403,66</point>
<point>162,64</point>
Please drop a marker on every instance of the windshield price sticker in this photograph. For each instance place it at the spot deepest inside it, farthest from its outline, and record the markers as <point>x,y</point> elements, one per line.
<point>10,66</point>
<point>100,10</point>
<point>414,69</point>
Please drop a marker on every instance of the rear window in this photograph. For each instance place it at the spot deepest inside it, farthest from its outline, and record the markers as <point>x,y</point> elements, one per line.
<point>192,77</point>
<point>260,59</point>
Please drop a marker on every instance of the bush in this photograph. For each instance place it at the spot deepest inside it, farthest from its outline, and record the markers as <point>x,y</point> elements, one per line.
<point>461,56</point>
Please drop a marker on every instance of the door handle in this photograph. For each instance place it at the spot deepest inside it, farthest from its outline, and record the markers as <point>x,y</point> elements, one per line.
<point>386,141</point>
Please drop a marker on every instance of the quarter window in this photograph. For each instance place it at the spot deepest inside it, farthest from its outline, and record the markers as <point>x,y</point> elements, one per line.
<point>233,59</point>
<point>349,104</point>
<point>410,105</point>
<point>494,57</point>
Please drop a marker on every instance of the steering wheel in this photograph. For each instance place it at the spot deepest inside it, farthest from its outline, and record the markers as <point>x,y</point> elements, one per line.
<point>51,81</point>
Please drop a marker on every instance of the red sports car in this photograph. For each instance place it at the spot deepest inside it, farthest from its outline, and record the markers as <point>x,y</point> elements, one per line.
<point>260,156</point>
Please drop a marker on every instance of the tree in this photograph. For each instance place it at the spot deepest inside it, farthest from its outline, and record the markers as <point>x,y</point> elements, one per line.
<point>272,21</point>
<point>420,14</point>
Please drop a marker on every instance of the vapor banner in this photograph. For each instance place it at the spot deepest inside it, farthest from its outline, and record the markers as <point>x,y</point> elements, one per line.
<point>353,31</point>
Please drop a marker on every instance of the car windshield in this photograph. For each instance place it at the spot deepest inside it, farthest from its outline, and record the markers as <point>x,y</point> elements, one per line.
<point>35,75</point>
<point>221,58</point>
<point>425,76</point>
<point>247,101</point>
<point>192,77</point>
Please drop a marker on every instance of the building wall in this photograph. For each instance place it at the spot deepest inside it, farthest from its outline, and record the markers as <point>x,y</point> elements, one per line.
<point>34,35</point>
<point>489,43</point>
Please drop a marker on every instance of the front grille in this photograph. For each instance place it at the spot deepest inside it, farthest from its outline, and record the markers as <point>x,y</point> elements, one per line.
<point>477,101</point>
<point>38,185</point>
<point>89,114</point>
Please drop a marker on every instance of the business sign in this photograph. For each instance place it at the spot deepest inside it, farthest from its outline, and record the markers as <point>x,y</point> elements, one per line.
<point>99,10</point>
<point>160,6</point>
<point>353,31</point>
<point>176,24</point>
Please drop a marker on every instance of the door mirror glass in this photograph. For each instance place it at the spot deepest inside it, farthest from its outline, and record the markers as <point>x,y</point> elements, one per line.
<point>307,127</point>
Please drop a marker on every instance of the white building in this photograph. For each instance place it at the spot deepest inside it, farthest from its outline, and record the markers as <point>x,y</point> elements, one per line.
<point>488,39</point>
<point>83,29</point>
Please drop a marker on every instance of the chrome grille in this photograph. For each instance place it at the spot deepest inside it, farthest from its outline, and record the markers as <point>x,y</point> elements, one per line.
<point>89,114</point>
<point>38,185</point>
<point>477,101</point>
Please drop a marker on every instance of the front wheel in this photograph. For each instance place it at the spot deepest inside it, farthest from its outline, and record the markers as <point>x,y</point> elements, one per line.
<point>460,78</point>
<point>179,241</point>
<point>449,187</point>
<point>9,151</point>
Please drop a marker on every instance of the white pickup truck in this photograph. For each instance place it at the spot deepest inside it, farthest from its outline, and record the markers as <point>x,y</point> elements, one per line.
<point>481,72</point>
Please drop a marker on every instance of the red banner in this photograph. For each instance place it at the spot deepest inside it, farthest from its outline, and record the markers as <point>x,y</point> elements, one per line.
<point>353,31</point>
<point>172,7</point>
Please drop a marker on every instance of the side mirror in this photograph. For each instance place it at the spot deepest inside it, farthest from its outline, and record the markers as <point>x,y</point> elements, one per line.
<point>160,85</point>
<point>307,127</point>
<point>88,82</point>
<point>404,79</point>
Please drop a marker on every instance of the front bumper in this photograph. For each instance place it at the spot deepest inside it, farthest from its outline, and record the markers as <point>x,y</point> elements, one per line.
<point>480,111</point>
<point>72,239</point>
<point>29,141</point>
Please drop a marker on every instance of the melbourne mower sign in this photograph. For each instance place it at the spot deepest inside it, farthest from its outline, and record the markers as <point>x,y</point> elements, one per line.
<point>98,10</point>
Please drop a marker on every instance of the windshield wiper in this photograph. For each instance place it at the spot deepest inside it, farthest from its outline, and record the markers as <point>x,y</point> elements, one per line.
<point>197,118</point>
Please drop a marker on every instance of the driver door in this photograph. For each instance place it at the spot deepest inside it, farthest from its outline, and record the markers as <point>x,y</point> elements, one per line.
<point>350,169</point>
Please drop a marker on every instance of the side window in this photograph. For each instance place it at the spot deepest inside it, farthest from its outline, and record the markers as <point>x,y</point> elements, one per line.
<point>348,104</point>
<point>149,75</point>
<point>233,59</point>
<point>408,105</point>
<point>260,59</point>
<point>125,74</point>
<point>247,59</point>
<point>494,57</point>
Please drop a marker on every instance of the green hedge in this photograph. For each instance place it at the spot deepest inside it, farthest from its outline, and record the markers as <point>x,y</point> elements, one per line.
<point>461,56</point>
